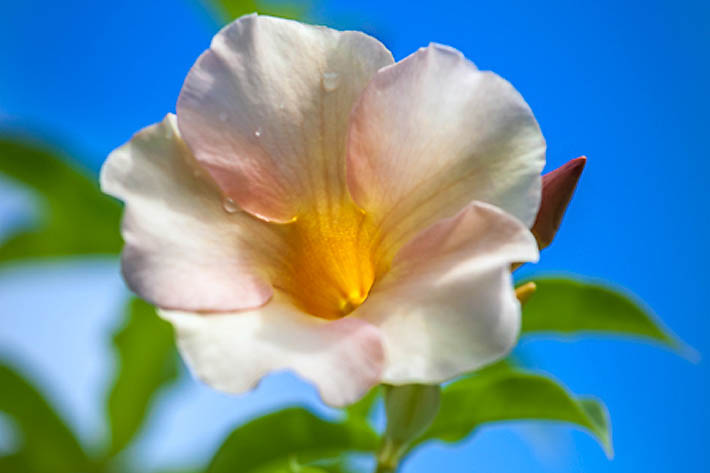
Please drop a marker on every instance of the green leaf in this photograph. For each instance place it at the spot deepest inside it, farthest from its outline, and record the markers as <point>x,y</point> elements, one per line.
<point>295,433</point>
<point>507,395</point>
<point>572,307</point>
<point>181,470</point>
<point>15,463</point>
<point>147,362</point>
<point>48,445</point>
<point>227,10</point>
<point>293,466</point>
<point>328,465</point>
<point>76,218</point>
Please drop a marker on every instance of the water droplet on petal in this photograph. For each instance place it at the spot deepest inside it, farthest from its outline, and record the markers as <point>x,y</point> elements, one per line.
<point>258,132</point>
<point>330,81</point>
<point>229,205</point>
<point>223,116</point>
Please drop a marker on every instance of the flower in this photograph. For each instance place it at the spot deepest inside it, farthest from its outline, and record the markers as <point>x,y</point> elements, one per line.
<point>316,207</point>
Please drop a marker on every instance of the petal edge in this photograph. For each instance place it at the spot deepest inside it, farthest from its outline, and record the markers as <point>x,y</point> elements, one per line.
<point>448,305</point>
<point>232,352</point>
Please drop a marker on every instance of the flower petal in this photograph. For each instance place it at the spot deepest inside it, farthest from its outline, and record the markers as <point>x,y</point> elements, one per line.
<point>448,305</point>
<point>182,249</point>
<point>232,352</point>
<point>432,133</point>
<point>266,108</point>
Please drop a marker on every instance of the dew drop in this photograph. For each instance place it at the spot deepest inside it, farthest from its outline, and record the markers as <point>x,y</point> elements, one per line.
<point>258,132</point>
<point>229,205</point>
<point>330,81</point>
<point>222,116</point>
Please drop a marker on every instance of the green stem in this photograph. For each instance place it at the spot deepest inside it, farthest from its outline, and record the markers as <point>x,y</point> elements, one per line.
<point>388,456</point>
<point>385,469</point>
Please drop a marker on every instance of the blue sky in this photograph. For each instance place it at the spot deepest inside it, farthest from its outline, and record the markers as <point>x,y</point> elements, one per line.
<point>624,83</point>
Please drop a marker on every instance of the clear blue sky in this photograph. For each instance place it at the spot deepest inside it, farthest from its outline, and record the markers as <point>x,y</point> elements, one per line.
<point>624,83</point>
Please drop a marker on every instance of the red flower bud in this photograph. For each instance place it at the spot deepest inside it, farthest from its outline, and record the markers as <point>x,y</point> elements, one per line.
<point>557,189</point>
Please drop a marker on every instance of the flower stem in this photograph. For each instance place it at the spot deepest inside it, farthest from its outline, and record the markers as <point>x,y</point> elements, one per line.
<point>410,411</point>
<point>385,469</point>
<point>388,455</point>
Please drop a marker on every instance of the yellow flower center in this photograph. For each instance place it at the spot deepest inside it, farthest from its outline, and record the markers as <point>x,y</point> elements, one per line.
<point>333,261</point>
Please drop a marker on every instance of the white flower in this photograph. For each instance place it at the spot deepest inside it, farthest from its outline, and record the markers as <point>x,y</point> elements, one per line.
<point>316,207</point>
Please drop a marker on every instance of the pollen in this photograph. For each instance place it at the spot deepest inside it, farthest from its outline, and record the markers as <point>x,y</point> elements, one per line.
<point>333,260</point>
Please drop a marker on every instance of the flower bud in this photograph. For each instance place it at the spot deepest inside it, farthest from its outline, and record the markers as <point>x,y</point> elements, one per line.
<point>410,411</point>
<point>557,189</point>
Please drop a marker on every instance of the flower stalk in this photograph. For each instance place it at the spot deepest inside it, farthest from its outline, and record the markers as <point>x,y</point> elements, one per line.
<point>410,410</point>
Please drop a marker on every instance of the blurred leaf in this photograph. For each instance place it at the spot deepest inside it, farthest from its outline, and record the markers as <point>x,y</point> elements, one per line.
<point>339,465</point>
<point>147,362</point>
<point>293,467</point>
<point>362,408</point>
<point>302,469</point>
<point>572,307</point>
<point>76,218</point>
<point>290,469</point>
<point>278,438</point>
<point>507,394</point>
<point>48,445</point>
<point>15,463</point>
<point>181,470</point>
<point>228,10</point>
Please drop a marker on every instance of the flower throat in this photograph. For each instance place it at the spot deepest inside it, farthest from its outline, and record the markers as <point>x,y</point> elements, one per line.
<point>334,260</point>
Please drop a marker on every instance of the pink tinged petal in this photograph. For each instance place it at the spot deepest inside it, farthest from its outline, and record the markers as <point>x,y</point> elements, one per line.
<point>266,109</point>
<point>432,133</point>
<point>182,249</point>
<point>557,189</point>
<point>448,305</point>
<point>232,352</point>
